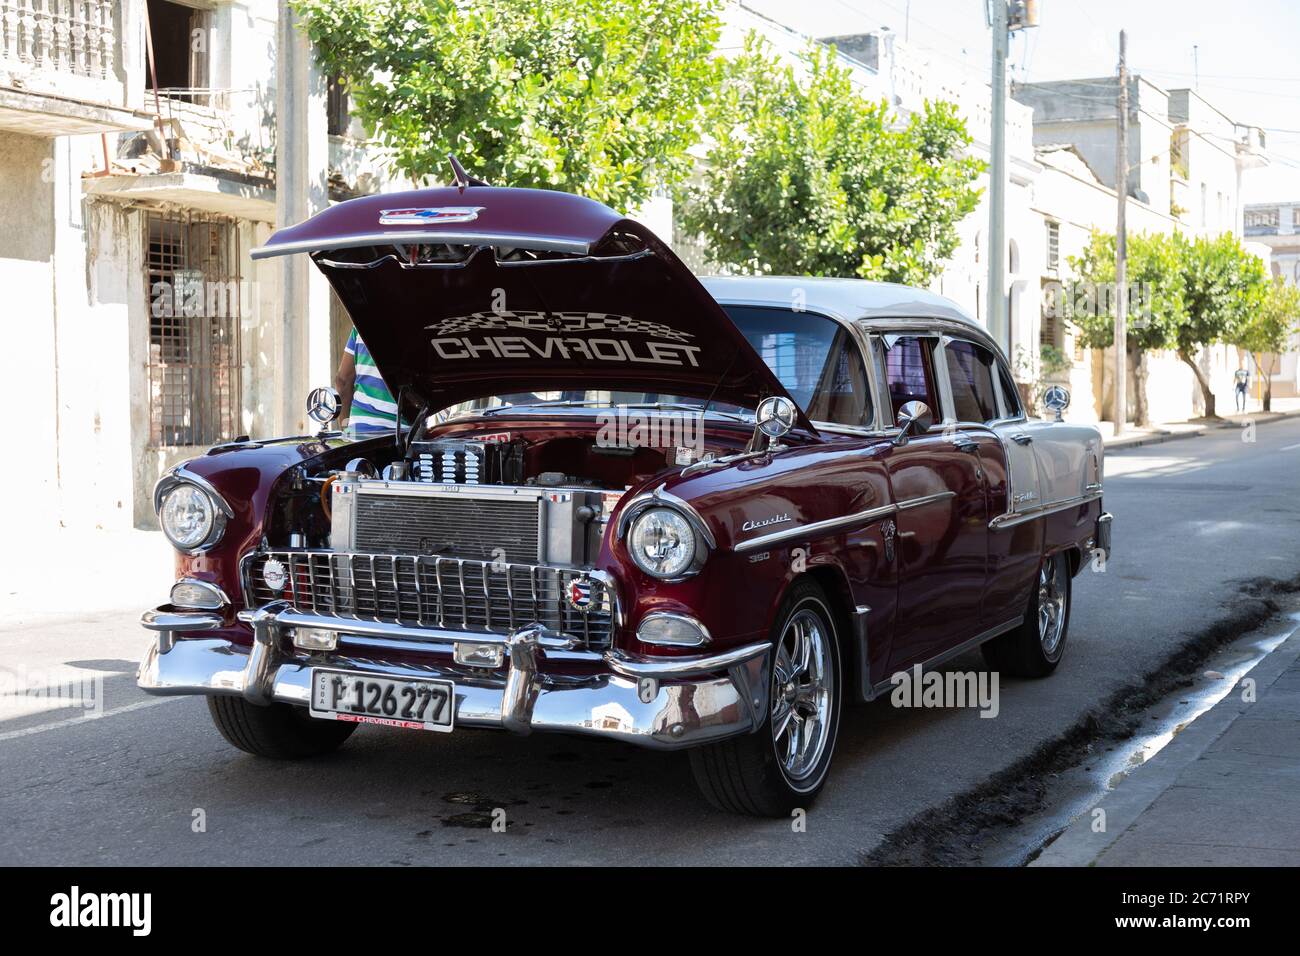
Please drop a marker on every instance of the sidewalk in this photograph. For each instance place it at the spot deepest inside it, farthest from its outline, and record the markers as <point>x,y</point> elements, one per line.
<point>63,574</point>
<point>1224,792</point>
<point>1169,431</point>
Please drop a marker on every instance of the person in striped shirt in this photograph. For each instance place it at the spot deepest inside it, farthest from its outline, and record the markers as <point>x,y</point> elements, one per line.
<point>372,410</point>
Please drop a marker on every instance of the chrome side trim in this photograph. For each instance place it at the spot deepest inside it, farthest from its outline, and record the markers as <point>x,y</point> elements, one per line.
<point>925,500</point>
<point>816,528</point>
<point>942,657</point>
<point>1011,519</point>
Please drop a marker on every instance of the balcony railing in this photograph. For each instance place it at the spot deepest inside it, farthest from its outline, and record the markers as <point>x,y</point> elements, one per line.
<point>60,37</point>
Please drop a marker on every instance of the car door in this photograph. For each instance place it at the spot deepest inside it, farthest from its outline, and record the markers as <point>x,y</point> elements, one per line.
<point>940,525</point>
<point>1015,539</point>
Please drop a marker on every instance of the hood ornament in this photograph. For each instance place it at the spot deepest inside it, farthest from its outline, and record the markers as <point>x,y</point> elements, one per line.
<point>428,215</point>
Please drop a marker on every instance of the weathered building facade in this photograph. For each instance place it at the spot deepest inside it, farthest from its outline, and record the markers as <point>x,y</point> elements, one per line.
<point>133,188</point>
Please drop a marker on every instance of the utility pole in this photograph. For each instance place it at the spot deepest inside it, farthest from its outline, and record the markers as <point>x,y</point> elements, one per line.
<point>997,248</point>
<point>1121,244</point>
<point>1004,16</point>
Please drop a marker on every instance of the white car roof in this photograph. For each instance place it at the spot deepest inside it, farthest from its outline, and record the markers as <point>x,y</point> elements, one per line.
<point>847,299</point>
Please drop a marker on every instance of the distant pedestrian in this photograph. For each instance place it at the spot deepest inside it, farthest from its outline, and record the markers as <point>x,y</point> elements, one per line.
<point>1242,379</point>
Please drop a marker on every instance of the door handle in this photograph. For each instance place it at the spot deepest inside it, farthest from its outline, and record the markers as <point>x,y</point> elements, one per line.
<point>1020,438</point>
<point>966,445</point>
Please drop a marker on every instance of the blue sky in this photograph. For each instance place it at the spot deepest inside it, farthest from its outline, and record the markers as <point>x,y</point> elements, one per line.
<point>1249,53</point>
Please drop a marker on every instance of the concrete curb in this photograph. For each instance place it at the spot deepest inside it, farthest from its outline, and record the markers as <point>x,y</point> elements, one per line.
<point>1195,430</point>
<point>1078,845</point>
<point>1155,438</point>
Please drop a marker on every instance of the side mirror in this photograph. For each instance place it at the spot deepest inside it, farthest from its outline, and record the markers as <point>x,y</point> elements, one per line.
<point>913,418</point>
<point>323,405</point>
<point>1056,399</point>
<point>774,417</point>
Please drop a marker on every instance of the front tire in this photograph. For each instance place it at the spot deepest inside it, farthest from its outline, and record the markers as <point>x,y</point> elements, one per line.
<point>278,731</point>
<point>783,765</point>
<point>1035,647</point>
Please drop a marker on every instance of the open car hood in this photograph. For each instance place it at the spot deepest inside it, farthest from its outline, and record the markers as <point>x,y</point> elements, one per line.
<point>460,293</point>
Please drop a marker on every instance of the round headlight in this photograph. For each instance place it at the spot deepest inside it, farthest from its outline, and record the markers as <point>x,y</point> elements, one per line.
<point>188,516</point>
<point>662,542</point>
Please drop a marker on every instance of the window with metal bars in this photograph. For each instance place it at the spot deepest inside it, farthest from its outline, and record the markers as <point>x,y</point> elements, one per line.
<point>194,301</point>
<point>1053,245</point>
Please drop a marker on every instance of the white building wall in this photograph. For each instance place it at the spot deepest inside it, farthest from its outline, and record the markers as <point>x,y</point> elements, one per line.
<point>30,486</point>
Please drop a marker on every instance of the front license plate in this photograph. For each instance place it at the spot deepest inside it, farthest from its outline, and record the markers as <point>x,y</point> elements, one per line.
<point>413,703</point>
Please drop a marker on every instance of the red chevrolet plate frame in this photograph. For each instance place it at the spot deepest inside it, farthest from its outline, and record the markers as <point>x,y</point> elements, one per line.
<point>410,703</point>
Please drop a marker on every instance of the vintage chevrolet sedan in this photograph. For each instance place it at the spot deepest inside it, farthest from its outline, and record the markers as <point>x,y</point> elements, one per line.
<point>630,503</point>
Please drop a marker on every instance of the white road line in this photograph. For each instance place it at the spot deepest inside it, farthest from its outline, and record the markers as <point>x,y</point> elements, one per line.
<point>75,721</point>
<point>1290,447</point>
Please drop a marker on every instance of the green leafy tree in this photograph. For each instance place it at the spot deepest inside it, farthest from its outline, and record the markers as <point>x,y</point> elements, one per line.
<point>1268,330</point>
<point>1223,287</point>
<point>806,177</point>
<point>1186,294</point>
<point>598,97</point>
<point>1155,302</point>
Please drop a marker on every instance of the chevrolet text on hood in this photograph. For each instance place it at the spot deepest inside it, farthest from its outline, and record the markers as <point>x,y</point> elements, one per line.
<point>458,289</point>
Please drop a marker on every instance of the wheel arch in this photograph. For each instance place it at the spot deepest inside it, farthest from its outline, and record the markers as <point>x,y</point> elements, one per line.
<point>834,583</point>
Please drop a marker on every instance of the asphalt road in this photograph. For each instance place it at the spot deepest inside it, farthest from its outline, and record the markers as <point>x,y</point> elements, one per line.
<point>1194,519</point>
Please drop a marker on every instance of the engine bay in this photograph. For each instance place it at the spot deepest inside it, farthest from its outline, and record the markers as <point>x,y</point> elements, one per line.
<point>459,489</point>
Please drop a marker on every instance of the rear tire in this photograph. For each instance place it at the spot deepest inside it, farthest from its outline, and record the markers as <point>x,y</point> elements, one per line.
<point>771,774</point>
<point>1035,647</point>
<point>278,731</point>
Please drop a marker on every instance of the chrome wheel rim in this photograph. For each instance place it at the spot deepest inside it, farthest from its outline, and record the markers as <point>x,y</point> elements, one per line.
<point>1051,606</point>
<point>802,685</point>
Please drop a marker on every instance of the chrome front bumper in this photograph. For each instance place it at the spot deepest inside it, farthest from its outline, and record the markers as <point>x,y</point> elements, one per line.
<point>660,703</point>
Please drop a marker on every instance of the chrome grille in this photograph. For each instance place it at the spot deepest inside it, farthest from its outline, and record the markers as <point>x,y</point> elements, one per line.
<point>421,591</point>
<point>448,525</point>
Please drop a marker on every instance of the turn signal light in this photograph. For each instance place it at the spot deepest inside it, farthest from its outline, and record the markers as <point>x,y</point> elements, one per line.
<point>315,639</point>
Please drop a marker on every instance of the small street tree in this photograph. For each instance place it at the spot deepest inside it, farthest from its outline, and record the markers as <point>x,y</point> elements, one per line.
<point>1223,287</point>
<point>1155,301</point>
<point>806,177</point>
<point>598,97</point>
<point>1269,328</point>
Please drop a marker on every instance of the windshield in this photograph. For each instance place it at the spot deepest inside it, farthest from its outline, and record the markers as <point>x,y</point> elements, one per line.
<point>810,354</point>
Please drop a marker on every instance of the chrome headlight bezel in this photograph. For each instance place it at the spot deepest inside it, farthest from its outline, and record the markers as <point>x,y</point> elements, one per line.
<point>661,498</point>
<point>179,480</point>
<point>695,548</point>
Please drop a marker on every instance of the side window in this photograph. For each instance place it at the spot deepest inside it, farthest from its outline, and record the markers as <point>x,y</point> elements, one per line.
<point>970,369</point>
<point>909,373</point>
<point>842,395</point>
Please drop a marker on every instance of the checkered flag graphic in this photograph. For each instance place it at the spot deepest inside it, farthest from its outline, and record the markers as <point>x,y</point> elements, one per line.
<point>555,322</point>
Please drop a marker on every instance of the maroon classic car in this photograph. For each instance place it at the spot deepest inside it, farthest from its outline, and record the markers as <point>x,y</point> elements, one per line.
<point>682,513</point>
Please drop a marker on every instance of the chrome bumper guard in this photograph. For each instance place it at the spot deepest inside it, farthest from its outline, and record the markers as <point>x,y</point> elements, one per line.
<point>1104,522</point>
<point>659,703</point>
